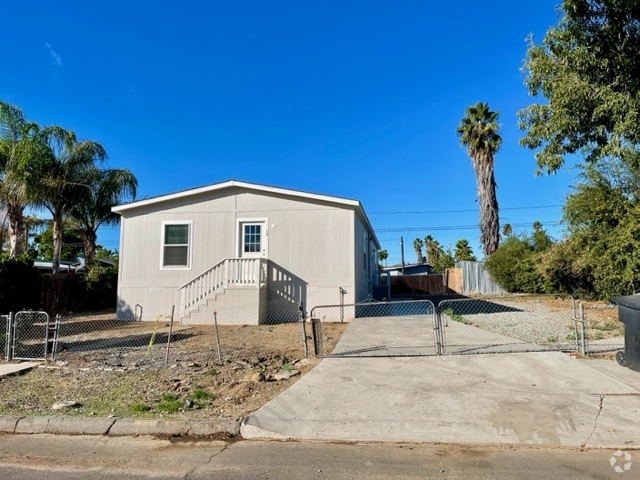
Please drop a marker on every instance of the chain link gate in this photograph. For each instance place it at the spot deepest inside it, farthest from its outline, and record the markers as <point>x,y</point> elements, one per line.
<point>508,325</point>
<point>28,336</point>
<point>376,329</point>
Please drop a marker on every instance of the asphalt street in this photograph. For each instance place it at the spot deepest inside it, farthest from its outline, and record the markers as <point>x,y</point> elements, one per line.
<point>31,457</point>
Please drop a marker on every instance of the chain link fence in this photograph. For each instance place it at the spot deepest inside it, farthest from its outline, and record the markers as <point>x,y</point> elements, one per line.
<point>408,328</point>
<point>112,341</point>
<point>509,325</point>
<point>602,330</point>
<point>5,335</point>
<point>375,329</point>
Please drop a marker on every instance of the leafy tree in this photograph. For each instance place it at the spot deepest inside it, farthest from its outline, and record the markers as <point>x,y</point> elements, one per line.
<point>602,214</point>
<point>20,147</point>
<point>514,265</point>
<point>587,71</point>
<point>103,189</point>
<point>417,246</point>
<point>61,176</point>
<point>445,261</point>
<point>382,256</point>
<point>463,251</point>
<point>71,248</point>
<point>479,134</point>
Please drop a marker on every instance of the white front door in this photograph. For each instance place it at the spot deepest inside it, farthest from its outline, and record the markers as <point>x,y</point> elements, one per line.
<point>253,239</point>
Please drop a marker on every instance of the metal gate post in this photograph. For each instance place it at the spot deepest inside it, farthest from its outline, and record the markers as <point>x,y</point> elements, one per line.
<point>12,336</point>
<point>8,337</point>
<point>437,327</point>
<point>56,334</point>
<point>583,334</point>
<point>304,329</point>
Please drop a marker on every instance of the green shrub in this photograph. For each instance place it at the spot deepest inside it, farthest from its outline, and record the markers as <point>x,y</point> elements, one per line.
<point>20,285</point>
<point>514,265</point>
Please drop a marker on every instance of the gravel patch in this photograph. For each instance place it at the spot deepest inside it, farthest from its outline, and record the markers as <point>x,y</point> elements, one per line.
<point>528,321</point>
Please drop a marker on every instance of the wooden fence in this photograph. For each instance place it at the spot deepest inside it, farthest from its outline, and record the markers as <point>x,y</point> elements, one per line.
<point>412,284</point>
<point>447,283</point>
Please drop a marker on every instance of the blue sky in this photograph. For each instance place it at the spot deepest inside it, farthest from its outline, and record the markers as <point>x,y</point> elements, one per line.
<point>356,99</point>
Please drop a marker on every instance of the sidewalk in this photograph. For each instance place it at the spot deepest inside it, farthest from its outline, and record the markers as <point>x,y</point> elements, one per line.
<point>545,399</point>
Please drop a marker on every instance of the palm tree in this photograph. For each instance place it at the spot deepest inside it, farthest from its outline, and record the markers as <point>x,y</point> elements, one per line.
<point>537,226</point>
<point>507,231</point>
<point>20,147</point>
<point>61,177</point>
<point>433,250</point>
<point>463,251</point>
<point>104,189</point>
<point>417,246</point>
<point>382,256</point>
<point>479,134</point>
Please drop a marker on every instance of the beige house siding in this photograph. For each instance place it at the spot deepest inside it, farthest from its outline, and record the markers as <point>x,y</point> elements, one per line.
<point>310,250</point>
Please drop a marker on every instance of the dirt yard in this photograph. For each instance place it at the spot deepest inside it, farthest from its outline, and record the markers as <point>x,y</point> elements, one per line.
<point>112,380</point>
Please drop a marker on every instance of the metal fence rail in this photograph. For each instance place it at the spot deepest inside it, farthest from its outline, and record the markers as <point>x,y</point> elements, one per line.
<point>376,329</point>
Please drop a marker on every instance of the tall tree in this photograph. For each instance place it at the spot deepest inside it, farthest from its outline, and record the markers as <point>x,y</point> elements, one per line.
<point>103,189</point>
<point>417,246</point>
<point>20,147</point>
<point>433,249</point>
<point>507,230</point>
<point>382,256</point>
<point>537,226</point>
<point>587,71</point>
<point>61,177</point>
<point>463,251</point>
<point>479,134</point>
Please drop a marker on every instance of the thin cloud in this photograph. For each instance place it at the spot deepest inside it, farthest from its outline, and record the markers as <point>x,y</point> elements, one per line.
<point>54,55</point>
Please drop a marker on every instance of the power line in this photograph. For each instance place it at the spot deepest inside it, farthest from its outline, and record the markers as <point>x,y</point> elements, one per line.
<point>451,227</point>
<point>533,207</point>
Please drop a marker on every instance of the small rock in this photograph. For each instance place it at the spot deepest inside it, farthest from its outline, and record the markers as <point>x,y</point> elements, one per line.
<point>257,377</point>
<point>285,374</point>
<point>308,361</point>
<point>188,403</point>
<point>64,404</point>
<point>192,365</point>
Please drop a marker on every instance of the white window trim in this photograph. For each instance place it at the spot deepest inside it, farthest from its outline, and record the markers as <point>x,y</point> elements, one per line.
<point>189,247</point>
<point>239,239</point>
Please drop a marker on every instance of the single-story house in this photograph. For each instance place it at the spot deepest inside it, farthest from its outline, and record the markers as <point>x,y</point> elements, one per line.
<point>46,266</point>
<point>409,269</point>
<point>250,252</point>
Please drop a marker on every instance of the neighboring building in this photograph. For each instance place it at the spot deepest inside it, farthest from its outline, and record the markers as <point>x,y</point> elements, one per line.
<point>250,252</point>
<point>46,266</point>
<point>409,269</point>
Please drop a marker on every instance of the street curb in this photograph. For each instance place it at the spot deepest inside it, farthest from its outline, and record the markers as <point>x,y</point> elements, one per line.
<point>68,425</point>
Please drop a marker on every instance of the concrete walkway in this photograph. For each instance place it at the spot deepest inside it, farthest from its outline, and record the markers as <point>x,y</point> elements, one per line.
<point>414,335</point>
<point>525,398</point>
<point>13,368</point>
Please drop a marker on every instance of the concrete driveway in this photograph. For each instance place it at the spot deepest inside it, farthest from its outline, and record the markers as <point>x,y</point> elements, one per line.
<point>541,398</point>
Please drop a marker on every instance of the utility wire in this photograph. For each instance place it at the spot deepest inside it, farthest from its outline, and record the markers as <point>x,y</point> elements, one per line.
<point>416,212</point>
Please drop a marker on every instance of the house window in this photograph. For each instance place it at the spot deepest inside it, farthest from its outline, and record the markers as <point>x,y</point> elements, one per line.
<point>252,238</point>
<point>176,245</point>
